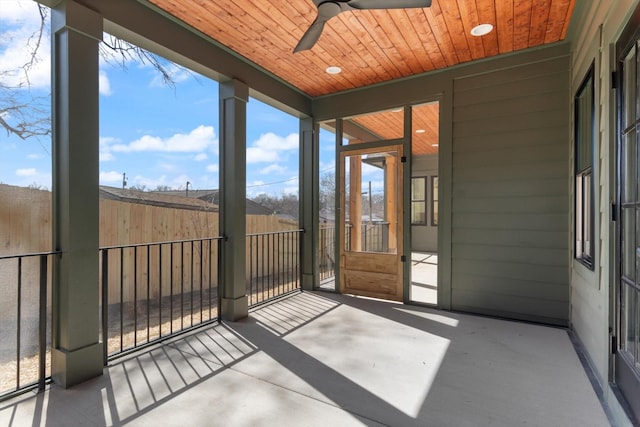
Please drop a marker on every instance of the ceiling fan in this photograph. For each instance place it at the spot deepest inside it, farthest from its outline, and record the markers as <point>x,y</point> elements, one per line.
<point>327,9</point>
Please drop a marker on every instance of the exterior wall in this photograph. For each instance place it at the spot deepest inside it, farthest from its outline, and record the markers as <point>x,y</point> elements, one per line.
<point>510,195</point>
<point>598,26</point>
<point>425,237</point>
<point>503,235</point>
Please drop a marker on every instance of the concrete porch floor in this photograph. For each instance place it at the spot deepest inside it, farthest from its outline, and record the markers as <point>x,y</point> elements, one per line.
<point>316,359</point>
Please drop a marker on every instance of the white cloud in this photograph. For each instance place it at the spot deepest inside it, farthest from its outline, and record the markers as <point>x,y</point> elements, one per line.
<point>167,167</point>
<point>106,156</point>
<point>213,167</point>
<point>199,139</point>
<point>367,169</point>
<point>254,188</point>
<point>208,181</point>
<point>290,190</point>
<point>20,21</point>
<point>327,167</point>
<point>293,183</point>
<point>273,169</point>
<point>26,172</point>
<point>105,149</point>
<point>6,146</point>
<point>181,182</point>
<point>200,157</point>
<point>106,140</point>
<point>178,183</point>
<point>32,177</point>
<point>17,11</point>
<point>35,156</point>
<point>110,177</point>
<point>104,86</point>
<point>150,183</point>
<point>327,140</point>
<point>257,155</point>
<point>377,185</point>
<point>269,146</point>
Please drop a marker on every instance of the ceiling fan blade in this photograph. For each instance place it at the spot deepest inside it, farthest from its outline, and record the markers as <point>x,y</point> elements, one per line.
<point>388,4</point>
<point>311,36</point>
<point>326,11</point>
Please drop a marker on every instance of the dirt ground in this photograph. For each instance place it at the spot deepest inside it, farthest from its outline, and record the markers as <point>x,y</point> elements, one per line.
<point>176,315</point>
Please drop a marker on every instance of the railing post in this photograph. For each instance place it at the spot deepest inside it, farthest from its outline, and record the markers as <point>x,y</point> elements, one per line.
<point>385,237</point>
<point>218,271</point>
<point>171,287</point>
<point>308,216</point>
<point>251,268</point>
<point>160,290</point>
<point>77,352</point>
<point>42,326</point>
<point>18,322</point>
<point>105,305</point>
<point>122,297</point>
<point>135,296</point>
<point>148,291</point>
<point>234,96</point>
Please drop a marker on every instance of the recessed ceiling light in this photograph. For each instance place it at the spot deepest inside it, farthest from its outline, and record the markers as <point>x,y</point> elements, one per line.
<point>333,70</point>
<point>420,131</point>
<point>481,30</point>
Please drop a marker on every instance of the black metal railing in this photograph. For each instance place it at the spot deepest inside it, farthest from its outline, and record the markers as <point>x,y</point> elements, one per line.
<point>374,237</point>
<point>273,265</point>
<point>25,312</point>
<point>152,291</point>
<point>149,292</point>
<point>326,252</point>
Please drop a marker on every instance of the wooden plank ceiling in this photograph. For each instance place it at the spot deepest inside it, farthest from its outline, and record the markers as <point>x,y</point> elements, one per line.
<point>390,125</point>
<point>371,46</point>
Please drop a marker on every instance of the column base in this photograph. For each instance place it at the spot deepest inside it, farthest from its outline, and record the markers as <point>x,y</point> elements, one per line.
<point>307,282</point>
<point>235,309</point>
<point>69,368</point>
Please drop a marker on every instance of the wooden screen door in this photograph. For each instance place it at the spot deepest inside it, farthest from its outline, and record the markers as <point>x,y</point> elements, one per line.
<point>370,222</point>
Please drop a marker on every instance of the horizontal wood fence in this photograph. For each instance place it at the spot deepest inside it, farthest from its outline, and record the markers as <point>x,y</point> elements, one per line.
<point>25,227</point>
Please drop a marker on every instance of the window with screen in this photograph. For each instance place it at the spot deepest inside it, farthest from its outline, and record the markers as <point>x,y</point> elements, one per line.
<point>584,142</point>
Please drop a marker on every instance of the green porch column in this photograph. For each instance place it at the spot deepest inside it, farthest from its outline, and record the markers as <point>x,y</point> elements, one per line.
<point>77,352</point>
<point>309,205</point>
<point>234,96</point>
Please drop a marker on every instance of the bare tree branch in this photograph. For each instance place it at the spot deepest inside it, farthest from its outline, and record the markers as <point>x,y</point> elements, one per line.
<point>37,36</point>
<point>26,116</point>
<point>115,50</point>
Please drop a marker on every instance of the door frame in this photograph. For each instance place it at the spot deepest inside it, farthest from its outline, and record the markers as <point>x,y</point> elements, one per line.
<point>625,377</point>
<point>399,257</point>
<point>444,97</point>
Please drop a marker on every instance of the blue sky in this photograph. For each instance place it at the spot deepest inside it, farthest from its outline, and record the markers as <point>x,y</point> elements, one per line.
<point>157,134</point>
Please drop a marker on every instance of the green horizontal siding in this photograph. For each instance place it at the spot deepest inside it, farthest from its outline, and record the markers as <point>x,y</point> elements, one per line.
<point>533,256</point>
<point>510,192</point>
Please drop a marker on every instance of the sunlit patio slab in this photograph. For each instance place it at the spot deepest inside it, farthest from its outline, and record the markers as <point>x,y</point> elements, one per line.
<point>318,359</point>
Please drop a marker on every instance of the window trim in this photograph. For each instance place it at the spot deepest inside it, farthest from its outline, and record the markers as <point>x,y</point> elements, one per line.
<point>580,209</point>
<point>423,201</point>
<point>434,201</point>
